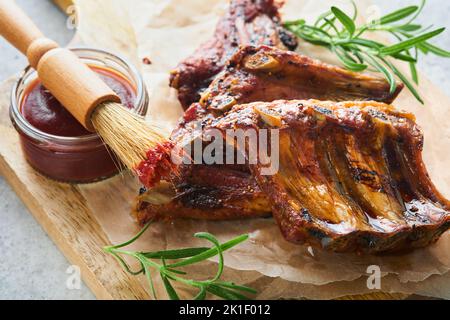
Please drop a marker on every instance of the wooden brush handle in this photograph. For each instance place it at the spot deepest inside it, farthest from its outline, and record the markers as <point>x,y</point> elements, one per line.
<point>79,89</point>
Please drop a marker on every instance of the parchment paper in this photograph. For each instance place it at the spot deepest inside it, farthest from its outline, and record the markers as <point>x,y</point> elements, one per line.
<point>167,31</point>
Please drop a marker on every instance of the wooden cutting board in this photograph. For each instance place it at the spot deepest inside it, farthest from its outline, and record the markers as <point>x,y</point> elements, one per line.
<point>64,214</point>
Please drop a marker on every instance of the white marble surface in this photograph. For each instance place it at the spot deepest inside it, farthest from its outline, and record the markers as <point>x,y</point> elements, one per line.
<point>32,267</point>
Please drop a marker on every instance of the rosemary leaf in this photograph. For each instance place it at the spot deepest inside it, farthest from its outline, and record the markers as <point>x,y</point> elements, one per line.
<point>389,76</point>
<point>436,50</point>
<point>357,52</point>
<point>408,44</point>
<point>348,61</point>
<point>398,15</point>
<point>210,253</point>
<point>409,27</point>
<point>201,294</point>
<point>215,242</point>
<point>169,288</point>
<point>186,256</point>
<point>150,280</point>
<point>405,80</point>
<point>174,254</point>
<point>346,21</point>
<point>414,74</point>
<point>236,287</point>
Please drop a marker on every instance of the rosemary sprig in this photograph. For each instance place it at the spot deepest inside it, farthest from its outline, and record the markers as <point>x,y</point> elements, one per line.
<point>338,32</point>
<point>167,263</point>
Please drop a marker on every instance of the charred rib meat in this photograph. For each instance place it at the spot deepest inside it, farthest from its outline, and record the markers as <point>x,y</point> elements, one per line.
<point>337,83</point>
<point>351,175</point>
<point>247,22</point>
<point>267,74</point>
<point>207,193</point>
<point>350,178</point>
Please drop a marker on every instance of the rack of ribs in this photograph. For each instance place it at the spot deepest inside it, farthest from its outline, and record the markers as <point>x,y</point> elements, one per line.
<point>246,22</point>
<point>290,76</point>
<point>351,176</point>
<point>266,74</point>
<point>217,192</point>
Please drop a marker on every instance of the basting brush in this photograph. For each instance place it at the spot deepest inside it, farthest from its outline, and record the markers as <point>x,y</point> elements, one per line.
<point>140,146</point>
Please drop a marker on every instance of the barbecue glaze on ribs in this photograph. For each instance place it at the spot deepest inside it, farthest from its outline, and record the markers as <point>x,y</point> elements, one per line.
<point>337,83</point>
<point>266,74</point>
<point>247,22</point>
<point>206,193</point>
<point>351,176</point>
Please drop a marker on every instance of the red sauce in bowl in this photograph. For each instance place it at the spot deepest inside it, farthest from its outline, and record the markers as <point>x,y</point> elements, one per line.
<point>41,109</point>
<point>81,159</point>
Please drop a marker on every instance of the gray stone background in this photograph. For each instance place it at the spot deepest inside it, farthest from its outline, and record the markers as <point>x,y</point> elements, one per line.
<point>31,266</point>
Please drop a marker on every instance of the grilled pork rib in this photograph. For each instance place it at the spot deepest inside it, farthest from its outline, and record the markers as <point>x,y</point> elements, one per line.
<point>290,76</point>
<point>254,22</point>
<point>350,178</point>
<point>267,74</point>
<point>351,175</point>
<point>206,193</point>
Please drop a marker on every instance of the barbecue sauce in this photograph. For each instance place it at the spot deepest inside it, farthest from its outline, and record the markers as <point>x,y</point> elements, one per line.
<point>41,109</point>
<point>84,158</point>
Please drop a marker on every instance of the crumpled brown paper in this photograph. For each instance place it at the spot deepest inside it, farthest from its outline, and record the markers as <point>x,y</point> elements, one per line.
<point>165,32</point>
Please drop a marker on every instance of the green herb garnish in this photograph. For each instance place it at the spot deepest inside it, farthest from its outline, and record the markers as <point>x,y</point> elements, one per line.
<point>338,32</point>
<point>167,264</point>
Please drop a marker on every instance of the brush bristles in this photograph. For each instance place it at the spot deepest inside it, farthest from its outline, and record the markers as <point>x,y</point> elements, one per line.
<point>126,133</point>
